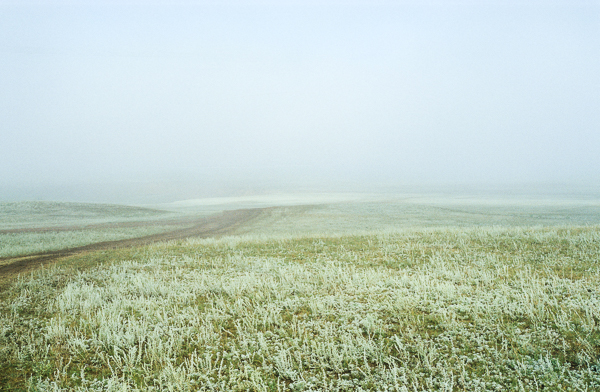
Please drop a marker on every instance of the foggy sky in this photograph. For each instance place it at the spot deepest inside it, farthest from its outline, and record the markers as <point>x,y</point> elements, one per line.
<point>399,92</point>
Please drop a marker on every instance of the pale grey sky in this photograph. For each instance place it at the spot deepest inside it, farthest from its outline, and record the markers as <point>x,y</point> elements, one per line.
<point>389,91</point>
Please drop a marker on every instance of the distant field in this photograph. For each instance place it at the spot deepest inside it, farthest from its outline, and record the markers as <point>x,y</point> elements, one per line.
<point>34,227</point>
<point>17,215</point>
<point>389,215</point>
<point>373,295</point>
<point>24,243</point>
<point>41,240</point>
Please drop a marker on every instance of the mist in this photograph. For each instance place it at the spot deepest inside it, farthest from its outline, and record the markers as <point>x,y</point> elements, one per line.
<point>100,101</point>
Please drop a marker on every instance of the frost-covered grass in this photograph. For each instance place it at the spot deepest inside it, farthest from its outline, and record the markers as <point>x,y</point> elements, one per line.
<point>446,309</point>
<point>366,217</point>
<point>24,243</point>
<point>16,215</point>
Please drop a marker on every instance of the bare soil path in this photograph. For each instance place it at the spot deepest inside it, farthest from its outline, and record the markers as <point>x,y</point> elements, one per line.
<point>210,226</point>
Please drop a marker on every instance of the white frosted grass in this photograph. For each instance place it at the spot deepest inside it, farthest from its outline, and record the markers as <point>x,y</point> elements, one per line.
<point>358,218</point>
<point>443,310</point>
<point>281,199</point>
<point>15,215</point>
<point>24,243</point>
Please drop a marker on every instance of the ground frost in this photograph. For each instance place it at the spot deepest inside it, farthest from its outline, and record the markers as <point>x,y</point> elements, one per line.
<point>444,310</point>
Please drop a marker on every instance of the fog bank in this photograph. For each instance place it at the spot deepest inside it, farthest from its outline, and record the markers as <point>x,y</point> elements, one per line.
<point>170,101</point>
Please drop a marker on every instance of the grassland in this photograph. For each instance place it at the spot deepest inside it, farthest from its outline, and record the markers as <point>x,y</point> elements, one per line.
<point>24,243</point>
<point>367,296</point>
<point>35,227</point>
<point>20,215</point>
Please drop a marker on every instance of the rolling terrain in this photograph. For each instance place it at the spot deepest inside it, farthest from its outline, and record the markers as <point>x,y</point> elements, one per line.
<point>182,228</point>
<point>380,294</point>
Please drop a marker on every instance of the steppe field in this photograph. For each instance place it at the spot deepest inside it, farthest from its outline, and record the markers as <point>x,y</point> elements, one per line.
<point>321,293</point>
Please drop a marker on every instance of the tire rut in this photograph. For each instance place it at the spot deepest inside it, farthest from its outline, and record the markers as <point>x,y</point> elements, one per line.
<point>212,226</point>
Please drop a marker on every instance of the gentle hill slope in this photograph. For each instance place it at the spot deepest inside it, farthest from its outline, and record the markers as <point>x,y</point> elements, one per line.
<point>16,215</point>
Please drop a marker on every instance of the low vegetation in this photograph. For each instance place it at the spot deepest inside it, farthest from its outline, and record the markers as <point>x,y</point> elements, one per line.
<point>24,243</point>
<point>438,309</point>
<point>18,215</point>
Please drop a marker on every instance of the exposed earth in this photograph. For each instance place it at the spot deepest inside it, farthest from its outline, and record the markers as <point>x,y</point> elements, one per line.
<point>209,226</point>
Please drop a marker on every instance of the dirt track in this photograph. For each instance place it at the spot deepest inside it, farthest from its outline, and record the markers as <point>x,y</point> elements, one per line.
<point>212,226</point>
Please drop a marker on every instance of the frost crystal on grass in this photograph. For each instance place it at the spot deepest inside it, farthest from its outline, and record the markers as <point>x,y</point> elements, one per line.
<point>485,309</point>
